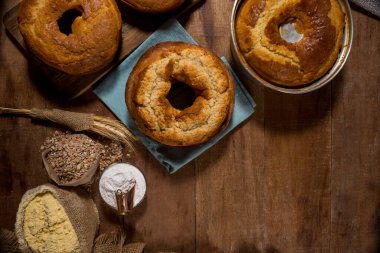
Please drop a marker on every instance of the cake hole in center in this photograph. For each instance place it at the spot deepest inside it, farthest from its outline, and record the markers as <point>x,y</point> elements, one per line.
<point>181,96</point>
<point>291,30</point>
<point>67,19</point>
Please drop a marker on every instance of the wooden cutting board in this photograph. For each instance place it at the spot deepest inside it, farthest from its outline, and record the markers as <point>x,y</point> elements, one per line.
<point>136,28</point>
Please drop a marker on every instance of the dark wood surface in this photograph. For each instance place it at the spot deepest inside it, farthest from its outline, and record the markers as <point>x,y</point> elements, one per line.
<point>302,175</point>
<point>132,35</point>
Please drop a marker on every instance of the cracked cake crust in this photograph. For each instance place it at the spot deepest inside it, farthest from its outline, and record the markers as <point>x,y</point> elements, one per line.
<point>150,83</point>
<point>92,44</point>
<point>282,62</point>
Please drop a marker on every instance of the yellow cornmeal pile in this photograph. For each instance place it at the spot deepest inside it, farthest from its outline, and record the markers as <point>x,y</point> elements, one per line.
<point>47,227</point>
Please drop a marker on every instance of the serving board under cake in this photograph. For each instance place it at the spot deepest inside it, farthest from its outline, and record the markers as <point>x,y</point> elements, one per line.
<point>136,28</point>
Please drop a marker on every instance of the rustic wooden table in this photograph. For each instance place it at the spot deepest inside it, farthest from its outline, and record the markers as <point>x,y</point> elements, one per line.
<point>302,175</point>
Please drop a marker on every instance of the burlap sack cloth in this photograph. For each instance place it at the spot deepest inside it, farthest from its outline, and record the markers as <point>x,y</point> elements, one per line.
<point>86,178</point>
<point>114,243</point>
<point>8,241</point>
<point>79,207</point>
<point>75,120</point>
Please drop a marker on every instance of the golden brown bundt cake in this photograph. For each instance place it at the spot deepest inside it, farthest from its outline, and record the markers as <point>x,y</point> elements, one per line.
<point>151,80</point>
<point>296,63</point>
<point>85,46</point>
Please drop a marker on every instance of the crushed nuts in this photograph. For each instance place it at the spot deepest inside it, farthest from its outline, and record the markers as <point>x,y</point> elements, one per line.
<point>71,156</point>
<point>110,152</point>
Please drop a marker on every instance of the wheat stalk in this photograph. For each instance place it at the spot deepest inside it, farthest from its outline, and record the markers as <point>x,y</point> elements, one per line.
<point>109,128</point>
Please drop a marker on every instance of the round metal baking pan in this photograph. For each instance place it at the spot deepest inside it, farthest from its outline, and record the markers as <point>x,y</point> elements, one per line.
<point>254,77</point>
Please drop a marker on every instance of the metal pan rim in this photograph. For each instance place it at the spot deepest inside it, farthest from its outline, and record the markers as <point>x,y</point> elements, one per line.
<point>335,69</point>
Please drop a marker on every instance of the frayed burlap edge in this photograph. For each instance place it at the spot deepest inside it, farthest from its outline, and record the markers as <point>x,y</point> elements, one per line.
<point>133,248</point>
<point>115,243</point>
<point>8,241</point>
<point>79,207</point>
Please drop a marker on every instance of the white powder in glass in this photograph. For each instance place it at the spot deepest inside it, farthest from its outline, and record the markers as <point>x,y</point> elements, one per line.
<point>118,176</point>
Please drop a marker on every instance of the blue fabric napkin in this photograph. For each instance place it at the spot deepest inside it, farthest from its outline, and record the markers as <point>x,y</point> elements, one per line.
<point>112,92</point>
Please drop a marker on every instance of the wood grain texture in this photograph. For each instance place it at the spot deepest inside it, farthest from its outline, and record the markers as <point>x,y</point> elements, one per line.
<point>355,188</point>
<point>136,27</point>
<point>302,175</point>
<point>268,189</point>
<point>164,214</point>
